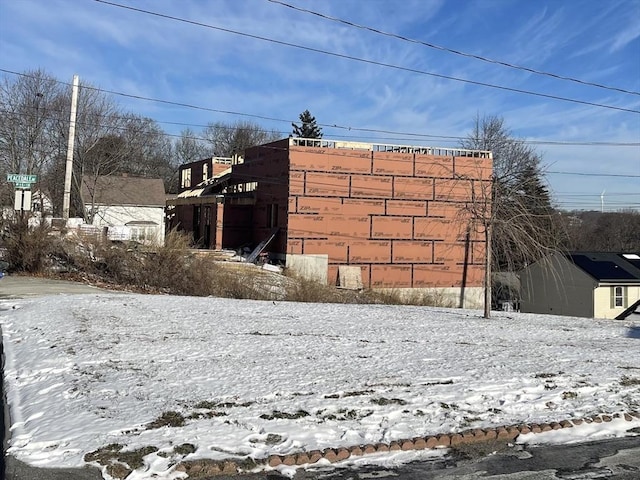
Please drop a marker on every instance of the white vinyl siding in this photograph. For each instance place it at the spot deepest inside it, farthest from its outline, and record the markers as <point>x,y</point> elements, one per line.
<point>605,299</point>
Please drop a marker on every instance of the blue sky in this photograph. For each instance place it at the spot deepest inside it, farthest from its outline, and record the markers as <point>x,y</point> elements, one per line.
<point>590,40</point>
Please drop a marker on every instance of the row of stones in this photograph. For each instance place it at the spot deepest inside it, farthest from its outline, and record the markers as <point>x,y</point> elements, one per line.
<point>419,443</point>
<point>444,440</point>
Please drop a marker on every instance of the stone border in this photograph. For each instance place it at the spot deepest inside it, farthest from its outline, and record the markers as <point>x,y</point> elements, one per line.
<point>333,455</point>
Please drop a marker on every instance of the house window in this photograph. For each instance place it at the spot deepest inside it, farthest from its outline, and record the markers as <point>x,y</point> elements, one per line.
<point>272,215</point>
<point>143,231</point>
<point>205,171</point>
<point>618,297</point>
<point>185,178</point>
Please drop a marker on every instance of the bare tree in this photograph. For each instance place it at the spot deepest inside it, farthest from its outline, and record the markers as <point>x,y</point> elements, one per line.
<point>190,148</point>
<point>30,106</point>
<point>603,232</point>
<point>230,139</point>
<point>149,150</point>
<point>513,211</point>
<point>34,124</point>
<point>137,147</point>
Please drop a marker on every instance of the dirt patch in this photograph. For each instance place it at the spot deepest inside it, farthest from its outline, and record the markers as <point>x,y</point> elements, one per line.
<point>120,463</point>
<point>288,416</point>
<point>167,419</point>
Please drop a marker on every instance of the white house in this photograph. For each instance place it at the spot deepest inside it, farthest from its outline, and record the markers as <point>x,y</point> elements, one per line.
<point>130,208</point>
<point>41,203</point>
<point>582,284</point>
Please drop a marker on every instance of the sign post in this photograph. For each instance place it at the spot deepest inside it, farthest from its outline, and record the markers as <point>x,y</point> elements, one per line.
<point>22,184</point>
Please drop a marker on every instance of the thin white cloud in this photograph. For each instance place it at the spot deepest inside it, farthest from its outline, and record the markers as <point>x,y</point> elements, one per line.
<point>626,35</point>
<point>143,55</point>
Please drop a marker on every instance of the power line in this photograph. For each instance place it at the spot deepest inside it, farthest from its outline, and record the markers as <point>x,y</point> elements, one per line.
<point>568,194</point>
<point>423,136</point>
<point>124,128</point>
<point>456,52</point>
<point>565,199</point>
<point>370,62</point>
<point>593,174</point>
<point>355,155</point>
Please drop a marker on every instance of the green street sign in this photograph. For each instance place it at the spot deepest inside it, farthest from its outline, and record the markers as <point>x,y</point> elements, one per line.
<point>22,185</point>
<point>18,178</point>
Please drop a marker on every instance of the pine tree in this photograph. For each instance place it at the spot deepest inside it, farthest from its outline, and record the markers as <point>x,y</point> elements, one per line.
<point>308,128</point>
<point>534,194</point>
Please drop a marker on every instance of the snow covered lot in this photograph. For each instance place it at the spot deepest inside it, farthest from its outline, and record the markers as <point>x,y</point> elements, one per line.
<point>251,378</point>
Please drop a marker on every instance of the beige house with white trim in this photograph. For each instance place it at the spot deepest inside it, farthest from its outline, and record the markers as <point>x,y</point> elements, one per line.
<point>582,284</point>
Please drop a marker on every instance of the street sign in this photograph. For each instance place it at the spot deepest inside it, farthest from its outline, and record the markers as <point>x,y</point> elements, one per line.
<point>22,201</point>
<point>21,181</point>
<point>20,178</point>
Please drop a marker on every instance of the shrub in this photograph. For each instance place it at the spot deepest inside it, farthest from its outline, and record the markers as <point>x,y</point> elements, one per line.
<point>118,264</point>
<point>27,246</point>
<point>303,290</point>
<point>175,268</point>
<point>168,267</point>
<point>419,297</point>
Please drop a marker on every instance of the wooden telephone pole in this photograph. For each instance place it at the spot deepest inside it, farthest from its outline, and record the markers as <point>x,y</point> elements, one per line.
<point>66,200</point>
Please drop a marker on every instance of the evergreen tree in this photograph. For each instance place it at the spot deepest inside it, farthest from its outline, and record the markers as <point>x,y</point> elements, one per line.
<point>533,192</point>
<point>308,127</point>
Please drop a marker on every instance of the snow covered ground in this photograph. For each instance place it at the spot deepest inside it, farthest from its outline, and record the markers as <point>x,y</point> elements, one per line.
<point>254,378</point>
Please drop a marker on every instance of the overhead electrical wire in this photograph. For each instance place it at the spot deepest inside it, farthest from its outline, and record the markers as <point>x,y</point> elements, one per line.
<point>455,52</point>
<point>566,199</point>
<point>585,174</point>
<point>343,155</point>
<point>363,60</point>
<point>609,194</point>
<point>423,136</point>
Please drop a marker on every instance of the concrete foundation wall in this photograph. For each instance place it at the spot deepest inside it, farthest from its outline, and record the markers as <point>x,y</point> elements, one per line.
<point>443,297</point>
<point>310,267</point>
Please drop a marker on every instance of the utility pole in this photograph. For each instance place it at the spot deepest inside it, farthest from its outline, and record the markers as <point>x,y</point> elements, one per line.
<point>66,200</point>
<point>487,270</point>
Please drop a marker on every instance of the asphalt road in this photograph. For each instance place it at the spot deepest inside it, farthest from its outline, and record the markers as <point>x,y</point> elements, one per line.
<point>613,459</point>
<point>20,287</point>
<point>23,287</point>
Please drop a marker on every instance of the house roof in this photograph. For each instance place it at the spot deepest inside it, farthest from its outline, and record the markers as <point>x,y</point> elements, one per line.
<point>608,267</point>
<point>123,190</point>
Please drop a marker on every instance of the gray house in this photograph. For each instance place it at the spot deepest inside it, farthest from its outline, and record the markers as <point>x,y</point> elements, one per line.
<point>583,284</point>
